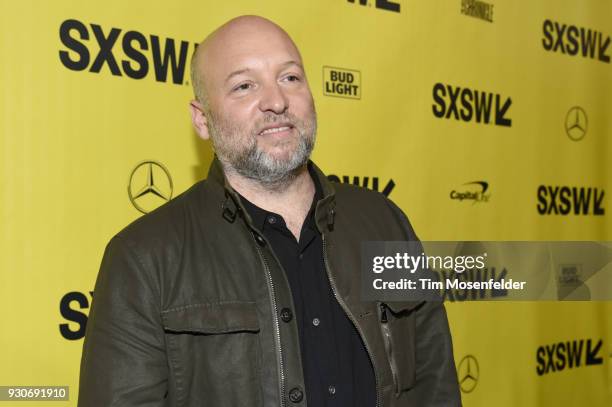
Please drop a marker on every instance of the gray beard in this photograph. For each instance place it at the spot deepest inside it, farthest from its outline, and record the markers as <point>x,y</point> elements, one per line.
<point>269,172</point>
<point>254,163</point>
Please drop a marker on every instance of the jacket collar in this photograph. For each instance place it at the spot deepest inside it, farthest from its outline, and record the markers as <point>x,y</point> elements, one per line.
<point>233,206</point>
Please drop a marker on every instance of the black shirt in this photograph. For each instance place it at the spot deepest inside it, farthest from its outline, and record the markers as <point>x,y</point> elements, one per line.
<point>337,368</point>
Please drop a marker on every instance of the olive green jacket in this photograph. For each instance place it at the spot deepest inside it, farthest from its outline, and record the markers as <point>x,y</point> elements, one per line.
<point>186,308</point>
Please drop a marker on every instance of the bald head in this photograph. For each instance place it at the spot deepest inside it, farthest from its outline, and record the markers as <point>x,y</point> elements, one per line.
<point>253,101</point>
<point>229,43</point>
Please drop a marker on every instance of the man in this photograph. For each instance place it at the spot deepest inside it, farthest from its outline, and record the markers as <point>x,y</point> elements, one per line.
<point>244,290</point>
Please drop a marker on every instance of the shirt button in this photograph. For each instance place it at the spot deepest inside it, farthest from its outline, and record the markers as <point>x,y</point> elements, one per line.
<point>271,220</point>
<point>286,314</point>
<point>296,395</point>
<point>316,321</point>
<point>331,389</point>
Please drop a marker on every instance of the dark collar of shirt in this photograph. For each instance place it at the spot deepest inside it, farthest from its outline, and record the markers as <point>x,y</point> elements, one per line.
<point>263,219</point>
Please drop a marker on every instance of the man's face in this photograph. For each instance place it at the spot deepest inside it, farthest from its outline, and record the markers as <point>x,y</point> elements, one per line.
<point>261,116</point>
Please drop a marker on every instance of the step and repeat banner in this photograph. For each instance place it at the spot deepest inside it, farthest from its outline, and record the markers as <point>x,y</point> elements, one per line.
<point>483,120</point>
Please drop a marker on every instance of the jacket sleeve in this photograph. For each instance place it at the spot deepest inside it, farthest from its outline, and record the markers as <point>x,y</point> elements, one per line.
<point>436,376</point>
<point>124,361</point>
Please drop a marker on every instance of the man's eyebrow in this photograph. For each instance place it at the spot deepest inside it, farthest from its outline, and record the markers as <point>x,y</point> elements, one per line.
<point>238,72</point>
<point>243,70</point>
<point>286,64</point>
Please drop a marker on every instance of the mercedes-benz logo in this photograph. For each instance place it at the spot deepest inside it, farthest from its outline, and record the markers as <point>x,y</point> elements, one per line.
<point>150,185</point>
<point>576,123</point>
<point>468,373</point>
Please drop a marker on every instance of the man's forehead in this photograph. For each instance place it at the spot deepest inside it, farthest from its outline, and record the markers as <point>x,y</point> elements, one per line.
<point>244,28</point>
<point>246,67</point>
<point>246,44</point>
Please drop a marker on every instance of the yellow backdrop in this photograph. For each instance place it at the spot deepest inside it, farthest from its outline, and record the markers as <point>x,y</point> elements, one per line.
<point>483,120</point>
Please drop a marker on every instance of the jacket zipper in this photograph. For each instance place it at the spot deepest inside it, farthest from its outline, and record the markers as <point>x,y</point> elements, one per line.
<point>276,327</point>
<point>384,326</point>
<point>350,316</point>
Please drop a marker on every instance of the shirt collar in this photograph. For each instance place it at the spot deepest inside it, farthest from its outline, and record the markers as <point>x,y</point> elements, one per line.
<point>230,208</point>
<point>260,215</point>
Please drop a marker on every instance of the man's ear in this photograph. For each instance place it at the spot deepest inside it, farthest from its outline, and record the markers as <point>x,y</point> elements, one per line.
<point>198,119</point>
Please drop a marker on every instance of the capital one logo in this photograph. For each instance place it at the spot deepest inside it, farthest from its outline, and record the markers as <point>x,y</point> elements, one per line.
<point>150,186</point>
<point>476,192</point>
<point>380,4</point>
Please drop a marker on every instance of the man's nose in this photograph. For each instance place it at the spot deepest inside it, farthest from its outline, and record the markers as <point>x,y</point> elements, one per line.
<point>273,99</point>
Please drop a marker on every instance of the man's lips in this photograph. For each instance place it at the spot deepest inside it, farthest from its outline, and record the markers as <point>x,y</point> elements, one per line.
<point>276,128</point>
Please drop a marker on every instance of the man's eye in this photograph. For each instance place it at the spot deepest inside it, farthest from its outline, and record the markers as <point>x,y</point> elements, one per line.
<point>293,78</point>
<point>242,86</point>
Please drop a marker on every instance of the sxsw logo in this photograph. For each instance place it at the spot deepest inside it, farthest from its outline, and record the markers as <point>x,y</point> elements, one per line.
<point>564,200</point>
<point>572,40</point>
<point>470,105</point>
<point>74,314</point>
<point>128,53</point>
<point>341,82</point>
<point>380,4</point>
<point>364,182</point>
<point>473,275</point>
<point>568,355</point>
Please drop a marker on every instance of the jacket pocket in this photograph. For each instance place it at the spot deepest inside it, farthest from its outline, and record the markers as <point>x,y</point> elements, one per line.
<point>212,318</point>
<point>214,353</point>
<point>397,324</point>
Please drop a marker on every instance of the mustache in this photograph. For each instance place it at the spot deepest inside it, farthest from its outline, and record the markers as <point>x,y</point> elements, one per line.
<point>277,118</point>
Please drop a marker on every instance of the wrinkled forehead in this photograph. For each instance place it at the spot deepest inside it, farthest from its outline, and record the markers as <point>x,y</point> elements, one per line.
<point>257,48</point>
